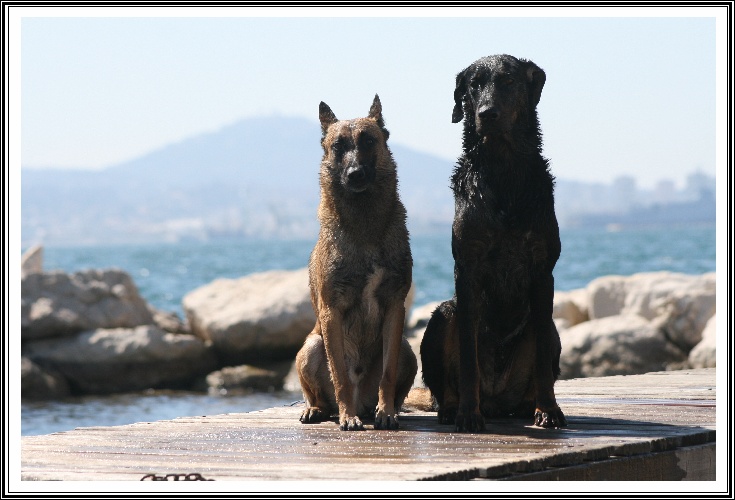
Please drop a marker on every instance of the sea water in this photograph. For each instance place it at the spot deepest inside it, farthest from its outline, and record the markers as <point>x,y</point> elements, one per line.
<point>164,273</point>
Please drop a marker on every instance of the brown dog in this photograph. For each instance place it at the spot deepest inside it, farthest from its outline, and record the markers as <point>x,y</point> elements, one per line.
<point>356,361</point>
<point>493,349</point>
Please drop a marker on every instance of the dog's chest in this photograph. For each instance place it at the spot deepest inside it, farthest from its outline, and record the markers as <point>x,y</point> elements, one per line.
<point>363,319</point>
<point>360,284</point>
<point>525,248</point>
<point>491,247</point>
<point>370,305</point>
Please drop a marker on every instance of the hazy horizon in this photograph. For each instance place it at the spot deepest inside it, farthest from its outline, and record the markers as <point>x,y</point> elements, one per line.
<point>678,183</point>
<point>624,96</point>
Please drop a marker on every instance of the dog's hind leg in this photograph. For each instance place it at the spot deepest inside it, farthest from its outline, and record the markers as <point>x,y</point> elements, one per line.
<point>438,353</point>
<point>311,366</point>
<point>548,348</point>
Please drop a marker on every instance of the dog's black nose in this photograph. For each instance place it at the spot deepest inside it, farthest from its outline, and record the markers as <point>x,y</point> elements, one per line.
<point>356,174</point>
<point>489,113</point>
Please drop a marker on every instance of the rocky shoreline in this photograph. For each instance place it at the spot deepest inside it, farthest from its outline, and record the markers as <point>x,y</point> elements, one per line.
<point>91,332</point>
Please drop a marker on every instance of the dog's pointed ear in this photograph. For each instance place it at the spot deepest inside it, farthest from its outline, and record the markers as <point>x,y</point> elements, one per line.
<point>326,116</point>
<point>460,88</point>
<point>376,113</point>
<point>536,79</point>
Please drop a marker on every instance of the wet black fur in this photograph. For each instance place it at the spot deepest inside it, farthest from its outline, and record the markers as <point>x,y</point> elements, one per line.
<point>493,349</point>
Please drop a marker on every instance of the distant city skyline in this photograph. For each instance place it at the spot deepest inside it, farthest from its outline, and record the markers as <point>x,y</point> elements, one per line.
<point>630,95</point>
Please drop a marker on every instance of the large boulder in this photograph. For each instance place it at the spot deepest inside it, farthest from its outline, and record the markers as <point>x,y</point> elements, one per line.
<point>118,360</point>
<point>249,378</point>
<point>261,317</point>
<point>408,303</point>
<point>606,296</point>
<point>31,262</point>
<point>570,308</point>
<point>291,381</point>
<point>616,345</point>
<point>37,383</point>
<point>55,303</point>
<point>680,304</point>
<point>684,312</point>
<point>704,354</point>
<point>420,316</point>
<point>168,321</point>
<point>417,322</point>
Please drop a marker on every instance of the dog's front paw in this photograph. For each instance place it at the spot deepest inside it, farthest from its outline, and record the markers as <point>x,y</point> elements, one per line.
<point>313,414</point>
<point>551,419</point>
<point>447,415</point>
<point>384,420</point>
<point>351,424</point>
<point>472,422</point>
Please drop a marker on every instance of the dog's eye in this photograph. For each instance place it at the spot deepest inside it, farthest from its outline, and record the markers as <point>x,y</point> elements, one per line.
<point>366,141</point>
<point>338,147</point>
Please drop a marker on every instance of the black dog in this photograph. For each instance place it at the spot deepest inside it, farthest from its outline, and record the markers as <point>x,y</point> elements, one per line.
<point>493,350</point>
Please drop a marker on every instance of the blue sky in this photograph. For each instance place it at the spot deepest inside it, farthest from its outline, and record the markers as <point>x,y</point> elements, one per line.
<point>628,95</point>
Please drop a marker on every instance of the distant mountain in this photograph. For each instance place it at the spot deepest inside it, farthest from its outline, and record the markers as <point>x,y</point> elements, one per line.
<point>257,178</point>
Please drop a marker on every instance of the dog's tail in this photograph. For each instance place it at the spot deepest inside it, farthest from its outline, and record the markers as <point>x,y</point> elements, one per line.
<point>419,399</point>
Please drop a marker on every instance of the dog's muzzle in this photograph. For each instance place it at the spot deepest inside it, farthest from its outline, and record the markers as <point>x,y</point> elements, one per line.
<point>487,119</point>
<point>357,178</point>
